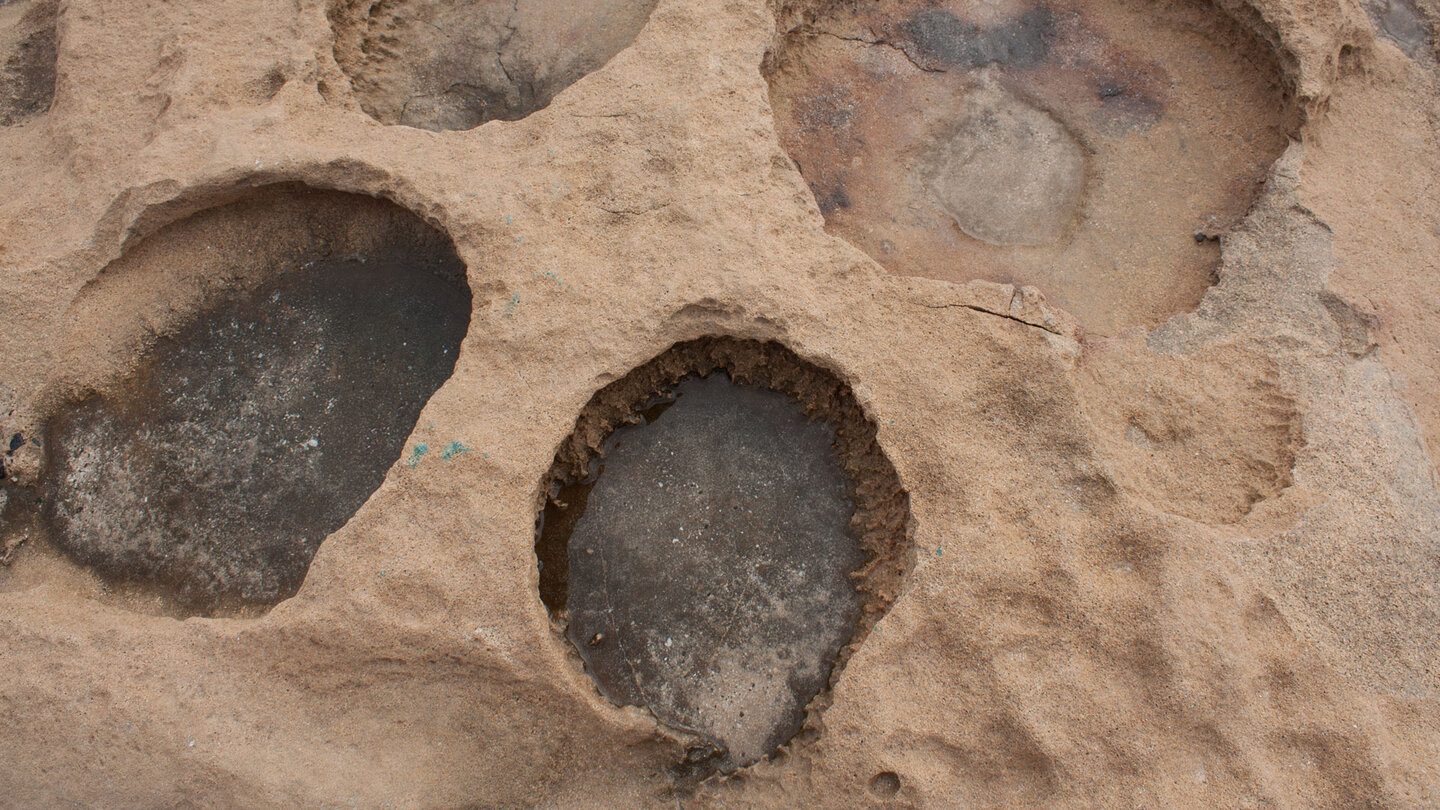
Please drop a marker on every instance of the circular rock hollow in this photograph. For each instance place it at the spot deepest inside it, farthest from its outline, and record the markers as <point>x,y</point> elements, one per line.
<point>885,784</point>
<point>257,425</point>
<point>1089,149</point>
<point>443,66</point>
<point>718,533</point>
<point>27,59</point>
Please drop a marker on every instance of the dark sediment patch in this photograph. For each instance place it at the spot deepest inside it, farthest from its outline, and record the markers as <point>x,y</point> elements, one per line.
<point>715,550</point>
<point>260,425</point>
<point>27,59</point>
<point>939,39</point>
<point>448,66</point>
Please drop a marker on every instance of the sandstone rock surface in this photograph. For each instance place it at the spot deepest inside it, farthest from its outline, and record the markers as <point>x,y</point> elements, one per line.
<point>1175,534</point>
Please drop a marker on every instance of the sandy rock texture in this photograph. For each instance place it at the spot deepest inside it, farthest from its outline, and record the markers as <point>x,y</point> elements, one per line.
<point>1185,557</point>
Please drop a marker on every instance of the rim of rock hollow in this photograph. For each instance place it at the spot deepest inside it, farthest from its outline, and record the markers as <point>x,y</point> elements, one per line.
<point>881,519</point>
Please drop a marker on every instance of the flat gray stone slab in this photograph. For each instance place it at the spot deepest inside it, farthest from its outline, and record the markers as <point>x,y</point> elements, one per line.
<point>710,572</point>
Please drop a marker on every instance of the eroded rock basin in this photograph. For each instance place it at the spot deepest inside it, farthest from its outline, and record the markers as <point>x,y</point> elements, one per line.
<point>710,571</point>
<point>1092,150</point>
<point>716,556</point>
<point>257,428</point>
<point>447,66</point>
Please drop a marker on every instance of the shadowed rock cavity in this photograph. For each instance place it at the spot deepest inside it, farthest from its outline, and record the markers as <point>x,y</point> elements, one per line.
<point>263,422</point>
<point>715,556</point>
<point>442,66</point>
<point>27,59</point>
<point>1088,149</point>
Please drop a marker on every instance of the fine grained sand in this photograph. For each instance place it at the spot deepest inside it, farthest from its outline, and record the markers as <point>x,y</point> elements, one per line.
<point>1191,563</point>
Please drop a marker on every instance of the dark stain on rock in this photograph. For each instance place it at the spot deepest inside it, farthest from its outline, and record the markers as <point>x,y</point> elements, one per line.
<point>710,572</point>
<point>27,77</point>
<point>715,550</point>
<point>257,429</point>
<point>937,38</point>
<point>828,110</point>
<point>832,199</point>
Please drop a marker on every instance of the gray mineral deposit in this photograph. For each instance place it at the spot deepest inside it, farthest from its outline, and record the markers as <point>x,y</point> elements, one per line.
<point>1008,173</point>
<point>710,575</point>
